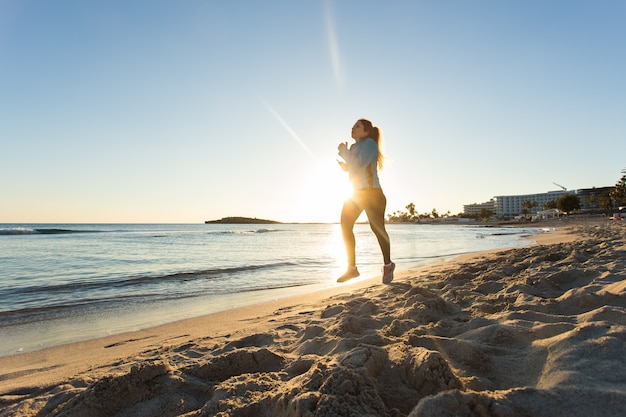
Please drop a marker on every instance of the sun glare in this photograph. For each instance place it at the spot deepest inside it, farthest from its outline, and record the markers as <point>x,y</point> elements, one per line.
<point>323,191</point>
<point>337,250</point>
<point>333,46</point>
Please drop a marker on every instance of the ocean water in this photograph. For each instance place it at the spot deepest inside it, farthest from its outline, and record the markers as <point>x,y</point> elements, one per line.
<point>66,283</point>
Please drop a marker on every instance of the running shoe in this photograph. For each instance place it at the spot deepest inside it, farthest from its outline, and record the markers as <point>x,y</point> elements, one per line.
<point>388,272</point>
<point>350,273</point>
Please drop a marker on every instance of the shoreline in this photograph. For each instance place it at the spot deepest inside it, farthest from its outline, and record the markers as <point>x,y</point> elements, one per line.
<point>222,321</point>
<point>24,336</point>
<point>173,349</point>
<point>116,321</point>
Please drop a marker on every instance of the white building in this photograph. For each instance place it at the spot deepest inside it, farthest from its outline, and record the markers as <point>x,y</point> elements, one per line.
<point>508,206</point>
<point>477,209</point>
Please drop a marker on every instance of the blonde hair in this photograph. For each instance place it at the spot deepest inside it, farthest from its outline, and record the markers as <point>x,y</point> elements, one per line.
<point>374,133</point>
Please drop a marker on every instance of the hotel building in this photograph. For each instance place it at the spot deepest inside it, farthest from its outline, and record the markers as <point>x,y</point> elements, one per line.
<point>478,209</point>
<point>507,206</point>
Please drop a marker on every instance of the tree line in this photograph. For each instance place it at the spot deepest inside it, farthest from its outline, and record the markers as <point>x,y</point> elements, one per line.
<point>411,215</point>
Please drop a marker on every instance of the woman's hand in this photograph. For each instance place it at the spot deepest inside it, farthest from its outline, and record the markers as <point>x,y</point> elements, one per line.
<point>342,146</point>
<point>343,165</point>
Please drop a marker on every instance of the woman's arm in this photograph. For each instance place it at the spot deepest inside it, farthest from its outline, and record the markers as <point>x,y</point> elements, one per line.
<point>365,155</point>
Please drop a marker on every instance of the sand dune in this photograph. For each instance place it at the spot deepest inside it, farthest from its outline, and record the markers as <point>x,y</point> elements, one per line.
<point>533,331</point>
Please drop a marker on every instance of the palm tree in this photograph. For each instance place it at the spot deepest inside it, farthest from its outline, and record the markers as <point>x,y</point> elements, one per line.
<point>527,206</point>
<point>592,200</point>
<point>411,209</point>
<point>618,194</point>
<point>606,203</point>
<point>549,205</point>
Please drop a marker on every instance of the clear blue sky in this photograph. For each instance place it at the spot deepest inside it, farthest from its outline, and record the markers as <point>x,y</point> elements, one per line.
<point>185,111</point>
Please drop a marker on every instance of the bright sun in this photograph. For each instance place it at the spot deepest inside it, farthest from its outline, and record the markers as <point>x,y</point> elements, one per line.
<point>324,189</point>
<point>323,192</point>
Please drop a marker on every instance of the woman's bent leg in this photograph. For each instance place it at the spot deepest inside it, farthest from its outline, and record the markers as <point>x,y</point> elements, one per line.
<point>349,214</point>
<point>375,210</point>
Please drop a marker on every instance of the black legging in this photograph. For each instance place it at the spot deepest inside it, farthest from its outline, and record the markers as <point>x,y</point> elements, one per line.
<point>374,202</point>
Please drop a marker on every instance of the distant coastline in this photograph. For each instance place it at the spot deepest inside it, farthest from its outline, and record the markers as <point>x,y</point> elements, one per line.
<point>241,220</point>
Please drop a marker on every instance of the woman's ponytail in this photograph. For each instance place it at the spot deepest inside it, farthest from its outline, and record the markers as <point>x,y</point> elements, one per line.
<point>374,133</point>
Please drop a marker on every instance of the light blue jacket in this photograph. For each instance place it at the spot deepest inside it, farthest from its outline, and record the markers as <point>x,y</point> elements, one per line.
<point>362,162</point>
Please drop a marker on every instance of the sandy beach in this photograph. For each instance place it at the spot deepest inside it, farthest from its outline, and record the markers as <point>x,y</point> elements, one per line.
<point>532,331</point>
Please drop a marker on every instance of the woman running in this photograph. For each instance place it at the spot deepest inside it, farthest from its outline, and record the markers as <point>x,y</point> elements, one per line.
<point>362,161</point>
